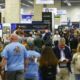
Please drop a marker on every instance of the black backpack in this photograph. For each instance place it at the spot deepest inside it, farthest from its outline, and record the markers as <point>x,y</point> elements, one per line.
<point>48,73</point>
<point>48,40</point>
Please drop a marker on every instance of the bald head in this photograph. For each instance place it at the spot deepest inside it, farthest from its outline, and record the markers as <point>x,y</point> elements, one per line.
<point>13,38</point>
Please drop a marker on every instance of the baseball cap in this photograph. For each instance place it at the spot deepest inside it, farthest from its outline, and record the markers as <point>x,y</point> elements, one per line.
<point>31,44</point>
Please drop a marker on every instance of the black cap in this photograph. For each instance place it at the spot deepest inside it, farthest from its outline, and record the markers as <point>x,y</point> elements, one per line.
<point>31,44</point>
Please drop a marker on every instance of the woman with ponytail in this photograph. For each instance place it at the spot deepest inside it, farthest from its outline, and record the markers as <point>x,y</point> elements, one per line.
<point>76,62</point>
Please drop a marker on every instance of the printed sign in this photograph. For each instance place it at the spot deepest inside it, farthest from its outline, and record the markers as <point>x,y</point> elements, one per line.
<point>44,1</point>
<point>26,18</point>
<point>0,30</point>
<point>53,10</point>
<point>61,12</point>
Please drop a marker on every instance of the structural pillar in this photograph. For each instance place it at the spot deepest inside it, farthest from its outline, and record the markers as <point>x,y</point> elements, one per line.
<point>12,13</point>
<point>38,9</point>
<point>50,5</point>
<point>57,4</point>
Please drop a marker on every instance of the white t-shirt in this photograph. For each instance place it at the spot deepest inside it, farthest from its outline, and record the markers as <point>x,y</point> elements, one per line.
<point>15,32</point>
<point>56,37</point>
<point>30,39</point>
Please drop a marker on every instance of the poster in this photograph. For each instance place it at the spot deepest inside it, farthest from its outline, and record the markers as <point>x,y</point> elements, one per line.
<point>61,12</point>
<point>53,10</point>
<point>26,18</point>
<point>1,30</point>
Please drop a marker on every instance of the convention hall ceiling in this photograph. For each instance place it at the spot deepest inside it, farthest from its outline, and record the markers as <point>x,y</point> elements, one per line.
<point>29,3</point>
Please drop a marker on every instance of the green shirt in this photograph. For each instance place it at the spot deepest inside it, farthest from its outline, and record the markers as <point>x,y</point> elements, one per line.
<point>39,42</point>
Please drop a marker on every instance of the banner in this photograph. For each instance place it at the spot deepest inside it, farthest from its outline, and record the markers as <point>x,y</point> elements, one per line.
<point>44,1</point>
<point>53,10</point>
<point>26,18</point>
<point>61,12</point>
<point>29,27</point>
<point>1,30</point>
<point>47,18</point>
<point>68,21</point>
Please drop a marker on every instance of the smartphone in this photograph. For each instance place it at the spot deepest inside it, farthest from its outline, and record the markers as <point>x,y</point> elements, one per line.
<point>64,60</point>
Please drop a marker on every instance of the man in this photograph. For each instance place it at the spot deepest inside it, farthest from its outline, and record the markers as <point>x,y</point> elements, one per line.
<point>32,67</point>
<point>35,48</point>
<point>70,37</point>
<point>16,56</point>
<point>56,38</point>
<point>25,42</point>
<point>64,56</point>
<point>30,39</point>
<point>20,39</point>
<point>33,36</point>
<point>48,39</point>
<point>39,42</point>
<point>74,44</point>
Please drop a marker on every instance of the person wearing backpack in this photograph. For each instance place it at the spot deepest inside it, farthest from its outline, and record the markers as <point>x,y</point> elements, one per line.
<point>76,62</point>
<point>47,64</point>
<point>48,38</point>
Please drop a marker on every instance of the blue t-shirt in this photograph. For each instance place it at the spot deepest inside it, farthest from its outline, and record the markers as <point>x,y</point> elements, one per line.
<point>15,53</point>
<point>33,36</point>
<point>32,67</point>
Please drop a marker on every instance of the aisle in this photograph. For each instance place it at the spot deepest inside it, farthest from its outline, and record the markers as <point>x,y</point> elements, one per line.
<point>71,77</point>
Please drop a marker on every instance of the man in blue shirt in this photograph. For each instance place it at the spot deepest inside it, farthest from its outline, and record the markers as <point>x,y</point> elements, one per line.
<point>16,56</point>
<point>33,36</point>
<point>32,67</point>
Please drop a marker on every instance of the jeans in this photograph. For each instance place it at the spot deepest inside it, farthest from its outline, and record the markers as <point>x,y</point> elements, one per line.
<point>15,75</point>
<point>77,76</point>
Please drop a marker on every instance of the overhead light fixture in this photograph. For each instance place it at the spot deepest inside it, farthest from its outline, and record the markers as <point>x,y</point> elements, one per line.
<point>31,2</point>
<point>2,4</point>
<point>25,4</point>
<point>65,1</point>
<point>69,4</point>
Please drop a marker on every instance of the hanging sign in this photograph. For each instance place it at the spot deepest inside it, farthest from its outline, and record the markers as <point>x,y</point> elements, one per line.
<point>44,1</point>
<point>53,10</point>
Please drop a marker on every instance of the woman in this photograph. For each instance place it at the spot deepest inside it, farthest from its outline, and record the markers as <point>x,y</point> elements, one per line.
<point>76,62</point>
<point>48,63</point>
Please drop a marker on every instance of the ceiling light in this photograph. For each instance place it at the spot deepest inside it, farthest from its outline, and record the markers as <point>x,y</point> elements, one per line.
<point>2,4</point>
<point>24,4</point>
<point>31,2</point>
<point>65,1</point>
<point>69,4</point>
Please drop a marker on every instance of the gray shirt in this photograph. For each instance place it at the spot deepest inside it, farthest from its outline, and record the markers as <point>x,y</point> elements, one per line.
<point>20,39</point>
<point>30,39</point>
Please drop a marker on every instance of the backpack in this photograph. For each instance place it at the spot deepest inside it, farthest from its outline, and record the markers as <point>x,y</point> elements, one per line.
<point>47,73</point>
<point>78,63</point>
<point>48,40</point>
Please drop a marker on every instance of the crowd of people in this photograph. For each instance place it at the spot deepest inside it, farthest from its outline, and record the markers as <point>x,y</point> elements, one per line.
<point>40,56</point>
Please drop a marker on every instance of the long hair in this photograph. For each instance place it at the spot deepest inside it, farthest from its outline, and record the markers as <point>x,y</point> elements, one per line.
<point>48,58</point>
<point>78,50</point>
